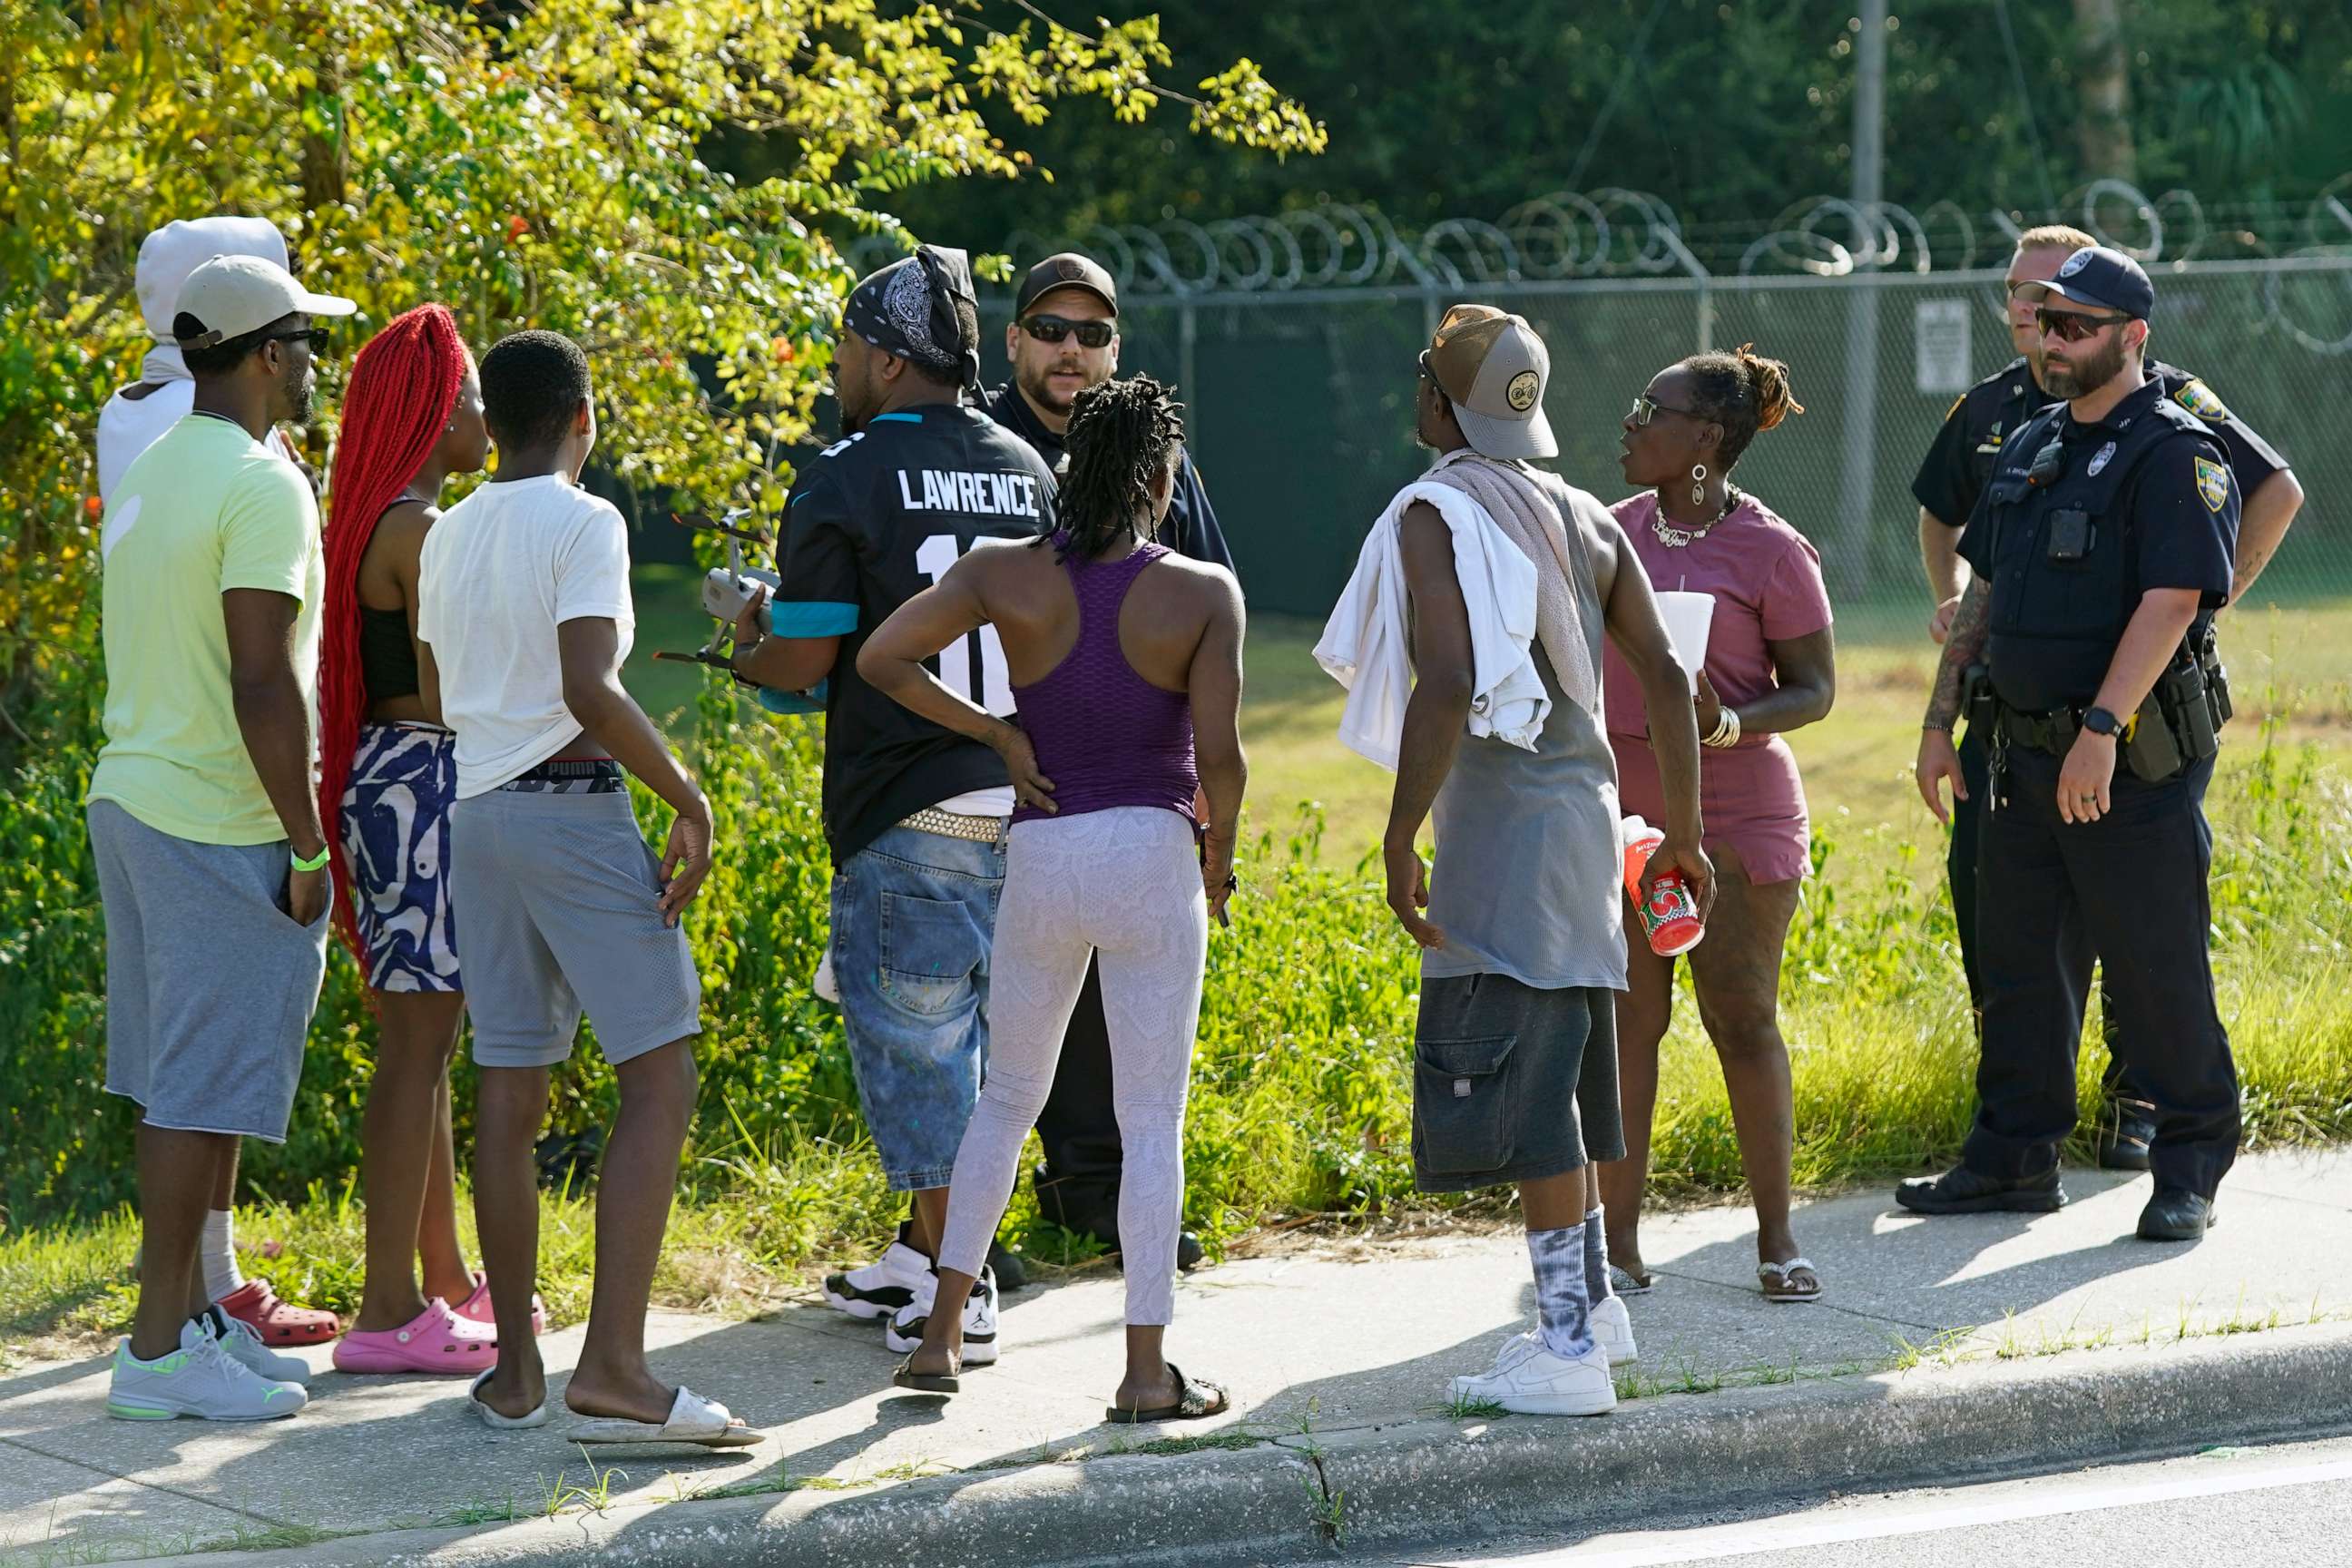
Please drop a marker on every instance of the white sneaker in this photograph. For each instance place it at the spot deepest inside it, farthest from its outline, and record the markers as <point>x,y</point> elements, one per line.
<point>200,1379</point>
<point>881,1288</point>
<point>1528,1379</point>
<point>905,1332</point>
<point>1612,1326</point>
<point>245,1348</point>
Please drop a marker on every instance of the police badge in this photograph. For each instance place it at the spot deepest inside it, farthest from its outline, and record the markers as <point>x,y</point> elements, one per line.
<point>2099,462</point>
<point>2199,399</point>
<point>2213,484</point>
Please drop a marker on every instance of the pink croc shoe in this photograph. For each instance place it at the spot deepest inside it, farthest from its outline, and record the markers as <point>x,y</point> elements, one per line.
<point>475,1307</point>
<point>436,1342</point>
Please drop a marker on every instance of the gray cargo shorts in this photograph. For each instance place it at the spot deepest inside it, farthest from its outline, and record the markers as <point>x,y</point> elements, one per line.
<point>1511,1083</point>
<point>210,985</point>
<point>557,892</point>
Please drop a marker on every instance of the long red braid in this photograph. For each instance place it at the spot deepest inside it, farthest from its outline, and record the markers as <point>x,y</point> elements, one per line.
<point>403,387</point>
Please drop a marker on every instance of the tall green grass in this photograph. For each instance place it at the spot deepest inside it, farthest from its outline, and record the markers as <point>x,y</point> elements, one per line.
<point>1302,1095</point>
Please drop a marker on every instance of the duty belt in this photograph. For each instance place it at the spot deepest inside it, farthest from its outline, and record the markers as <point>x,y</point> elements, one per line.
<point>955,825</point>
<point>2053,732</point>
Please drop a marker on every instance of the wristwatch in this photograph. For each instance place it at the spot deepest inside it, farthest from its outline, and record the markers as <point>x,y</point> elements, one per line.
<point>2099,722</point>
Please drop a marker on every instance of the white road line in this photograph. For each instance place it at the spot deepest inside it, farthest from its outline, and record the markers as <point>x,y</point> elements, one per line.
<point>1762,1535</point>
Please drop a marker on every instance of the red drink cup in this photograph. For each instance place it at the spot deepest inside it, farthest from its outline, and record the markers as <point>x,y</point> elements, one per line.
<point>1670,913</point>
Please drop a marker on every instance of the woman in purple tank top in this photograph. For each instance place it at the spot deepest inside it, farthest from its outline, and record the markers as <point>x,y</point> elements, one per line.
<point>1125,756</point>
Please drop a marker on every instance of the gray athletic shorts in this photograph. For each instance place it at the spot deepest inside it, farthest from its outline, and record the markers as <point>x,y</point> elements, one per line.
<point>557,892</point>
<point>210,985</point>
<point>1511,1083</point>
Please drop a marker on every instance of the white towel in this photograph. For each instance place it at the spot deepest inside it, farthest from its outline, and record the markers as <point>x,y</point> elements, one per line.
<point>1367,645</point>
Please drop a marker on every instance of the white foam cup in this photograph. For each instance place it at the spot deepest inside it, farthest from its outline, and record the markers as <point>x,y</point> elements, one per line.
<point>1687,617</point>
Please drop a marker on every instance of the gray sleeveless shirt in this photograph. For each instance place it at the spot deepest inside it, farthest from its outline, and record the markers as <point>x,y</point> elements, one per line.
<point>1526,881</point>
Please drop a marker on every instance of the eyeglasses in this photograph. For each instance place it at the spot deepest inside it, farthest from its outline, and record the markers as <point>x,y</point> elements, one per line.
<point>314,336</point>
<point>2073,326</point>
<point>1053,329</point>
<point>1647,408</point>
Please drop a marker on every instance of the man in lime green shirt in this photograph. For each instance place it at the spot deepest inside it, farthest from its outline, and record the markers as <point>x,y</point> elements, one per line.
<point>203,827</point>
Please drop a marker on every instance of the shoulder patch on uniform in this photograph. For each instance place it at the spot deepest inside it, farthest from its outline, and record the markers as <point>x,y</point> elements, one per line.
<point>2212,483</point>
<point>2199,399</point>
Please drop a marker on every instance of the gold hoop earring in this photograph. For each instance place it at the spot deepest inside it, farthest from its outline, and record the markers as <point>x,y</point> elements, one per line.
<point>1698,484</point>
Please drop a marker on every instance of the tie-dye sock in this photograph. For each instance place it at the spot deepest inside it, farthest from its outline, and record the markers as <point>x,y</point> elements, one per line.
<point>1596,1257</point>
<point>1562,1305</point>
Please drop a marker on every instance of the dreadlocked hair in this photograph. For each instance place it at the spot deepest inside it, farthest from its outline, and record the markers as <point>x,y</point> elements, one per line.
<point>1744,393</point>
<point>1121,434</point>
<point>403,387</point>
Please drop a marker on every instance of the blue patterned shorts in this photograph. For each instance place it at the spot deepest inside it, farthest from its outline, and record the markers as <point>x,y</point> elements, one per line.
<point>395,830</point>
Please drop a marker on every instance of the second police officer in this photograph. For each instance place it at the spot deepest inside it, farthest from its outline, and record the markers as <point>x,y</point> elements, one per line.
<point>1954,474</point>
<point>2100,548</point>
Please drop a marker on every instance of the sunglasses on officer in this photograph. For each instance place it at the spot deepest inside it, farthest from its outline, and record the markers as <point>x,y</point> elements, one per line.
<point>2073,326</point>
<point>1053,329</point>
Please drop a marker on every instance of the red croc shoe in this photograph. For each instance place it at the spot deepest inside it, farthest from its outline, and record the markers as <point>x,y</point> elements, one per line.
<point>476,1307</point>
<point>278,1323</point>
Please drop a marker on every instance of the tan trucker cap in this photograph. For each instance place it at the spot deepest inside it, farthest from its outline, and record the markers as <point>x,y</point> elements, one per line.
<point>1494,369</point>
<point>230,296</point>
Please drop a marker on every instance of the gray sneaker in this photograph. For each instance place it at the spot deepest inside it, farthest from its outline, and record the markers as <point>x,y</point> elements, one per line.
<point>200,1379</point>
<point>245,1348</point>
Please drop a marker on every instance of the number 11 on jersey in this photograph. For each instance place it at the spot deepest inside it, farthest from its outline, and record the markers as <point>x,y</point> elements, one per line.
<point>994,690</point>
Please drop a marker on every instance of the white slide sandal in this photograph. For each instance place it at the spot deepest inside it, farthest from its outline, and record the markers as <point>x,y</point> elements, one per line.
<point>692,1419</point>
<point>497,1423</point>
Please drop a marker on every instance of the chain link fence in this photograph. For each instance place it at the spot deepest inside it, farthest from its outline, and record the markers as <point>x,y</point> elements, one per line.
<point>1298,366</point>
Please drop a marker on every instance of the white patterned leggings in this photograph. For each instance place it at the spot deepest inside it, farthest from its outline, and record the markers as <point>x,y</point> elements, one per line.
<point>1125,884</point>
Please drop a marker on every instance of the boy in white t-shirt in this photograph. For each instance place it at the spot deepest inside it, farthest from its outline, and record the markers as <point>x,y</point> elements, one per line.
<point>523,606</point>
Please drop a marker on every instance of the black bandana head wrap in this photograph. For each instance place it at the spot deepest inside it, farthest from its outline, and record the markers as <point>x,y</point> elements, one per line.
<point>907,308</point>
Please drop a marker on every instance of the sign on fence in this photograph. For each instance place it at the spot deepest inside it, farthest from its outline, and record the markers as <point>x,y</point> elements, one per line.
<point>1941,329</point>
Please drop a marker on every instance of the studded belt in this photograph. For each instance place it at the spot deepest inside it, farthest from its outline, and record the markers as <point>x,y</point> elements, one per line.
<point>955,825</point>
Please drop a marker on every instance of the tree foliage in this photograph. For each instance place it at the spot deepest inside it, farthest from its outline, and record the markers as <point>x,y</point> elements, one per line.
<point>1730,111</point>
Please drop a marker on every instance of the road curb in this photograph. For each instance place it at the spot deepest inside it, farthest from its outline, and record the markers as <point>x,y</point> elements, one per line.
<point>1457,1481</point>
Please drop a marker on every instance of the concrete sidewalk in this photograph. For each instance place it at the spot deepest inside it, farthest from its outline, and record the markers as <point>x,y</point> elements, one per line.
<point>1947,1344</point>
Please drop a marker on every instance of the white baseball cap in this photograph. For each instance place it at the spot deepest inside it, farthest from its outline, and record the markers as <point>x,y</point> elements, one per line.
<point>170,253</point>
<point>1493,368</point>
<point>230,296</point>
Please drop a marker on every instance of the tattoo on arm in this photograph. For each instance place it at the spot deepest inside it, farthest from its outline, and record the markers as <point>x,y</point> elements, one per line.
<point>1971,629</point>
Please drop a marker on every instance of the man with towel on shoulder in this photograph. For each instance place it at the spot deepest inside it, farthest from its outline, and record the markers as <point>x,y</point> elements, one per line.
<point>1485,587</point>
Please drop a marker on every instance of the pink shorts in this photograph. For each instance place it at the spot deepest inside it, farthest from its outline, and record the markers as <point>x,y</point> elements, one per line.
<point>1750,797</point>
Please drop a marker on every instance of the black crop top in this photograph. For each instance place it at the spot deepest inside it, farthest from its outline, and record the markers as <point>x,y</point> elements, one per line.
<point>387,655</point>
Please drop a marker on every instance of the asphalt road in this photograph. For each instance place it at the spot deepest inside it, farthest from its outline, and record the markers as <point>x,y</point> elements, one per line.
<point>2284,1506</point>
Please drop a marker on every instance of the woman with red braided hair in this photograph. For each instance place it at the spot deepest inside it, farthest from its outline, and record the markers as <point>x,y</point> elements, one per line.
<point>412,416</point>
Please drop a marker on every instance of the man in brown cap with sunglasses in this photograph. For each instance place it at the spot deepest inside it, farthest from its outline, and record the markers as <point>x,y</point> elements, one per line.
<point>1063,339</point>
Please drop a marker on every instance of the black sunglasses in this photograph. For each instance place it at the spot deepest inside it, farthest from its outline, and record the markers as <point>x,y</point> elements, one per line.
<point>1646,408</point>
<point>2072,326</point>
<point>1053,329</point>
<point>314,336</point>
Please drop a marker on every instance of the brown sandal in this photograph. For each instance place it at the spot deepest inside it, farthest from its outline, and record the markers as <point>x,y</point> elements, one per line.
<point>1779,1281</point>
<point>1197,1401</point>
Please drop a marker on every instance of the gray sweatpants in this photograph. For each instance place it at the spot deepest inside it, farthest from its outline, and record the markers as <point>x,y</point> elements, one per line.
<point>1123,884</point>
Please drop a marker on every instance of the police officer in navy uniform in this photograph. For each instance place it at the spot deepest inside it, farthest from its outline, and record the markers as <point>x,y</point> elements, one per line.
<point>1952,476</point>
<point>2101,549</point>
<point>1064,338</point>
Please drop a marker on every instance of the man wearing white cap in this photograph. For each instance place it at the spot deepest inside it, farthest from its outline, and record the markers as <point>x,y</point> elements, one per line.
<point>211,861</point>
<point>134,419</point>
<point>1485,567</point>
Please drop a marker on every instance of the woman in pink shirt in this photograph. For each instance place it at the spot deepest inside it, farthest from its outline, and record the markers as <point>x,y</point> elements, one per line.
<point>1770,669</point>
